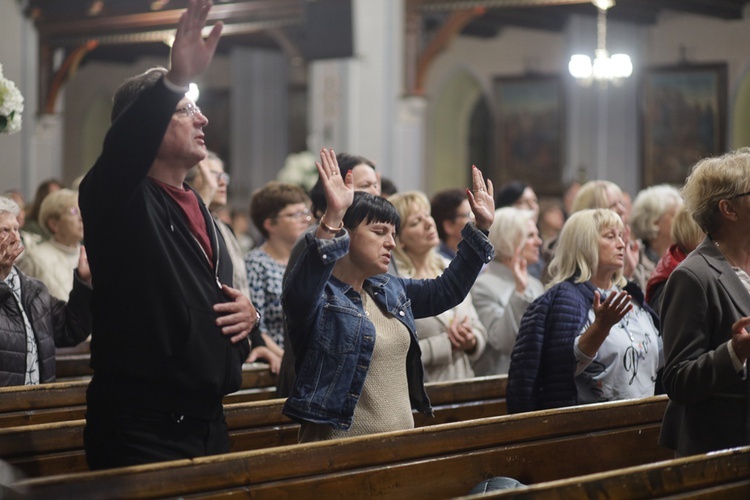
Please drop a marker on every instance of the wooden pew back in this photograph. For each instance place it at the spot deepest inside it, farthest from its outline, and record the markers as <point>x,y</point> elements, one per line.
<point>56,448</point>
<point>437,461</point>
<point>723,474</point>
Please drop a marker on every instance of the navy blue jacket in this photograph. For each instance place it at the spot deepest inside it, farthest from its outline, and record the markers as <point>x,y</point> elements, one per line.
<point>542,365</point>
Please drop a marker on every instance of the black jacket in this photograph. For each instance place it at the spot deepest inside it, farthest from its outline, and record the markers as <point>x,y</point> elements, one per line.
<point>55,324</point>
<point>155,344</point>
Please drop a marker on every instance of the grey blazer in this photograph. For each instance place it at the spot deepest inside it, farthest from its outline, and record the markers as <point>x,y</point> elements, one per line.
<point>709,403</point>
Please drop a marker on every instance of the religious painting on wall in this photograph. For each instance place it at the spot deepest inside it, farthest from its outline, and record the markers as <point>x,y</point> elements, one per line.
<point>683,119</point>
<point>530,131</point>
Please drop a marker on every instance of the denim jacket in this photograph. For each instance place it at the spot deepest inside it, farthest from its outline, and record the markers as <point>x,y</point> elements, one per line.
<point>333,340</point>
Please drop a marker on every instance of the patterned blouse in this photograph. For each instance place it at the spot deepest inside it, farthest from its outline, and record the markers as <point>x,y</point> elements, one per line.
<point>264,277</point>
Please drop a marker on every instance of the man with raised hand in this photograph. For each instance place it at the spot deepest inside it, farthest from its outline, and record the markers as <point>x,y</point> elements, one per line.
<point>169,332</point>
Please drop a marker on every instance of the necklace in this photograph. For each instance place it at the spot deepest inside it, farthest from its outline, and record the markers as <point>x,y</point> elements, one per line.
<point>716,244</point>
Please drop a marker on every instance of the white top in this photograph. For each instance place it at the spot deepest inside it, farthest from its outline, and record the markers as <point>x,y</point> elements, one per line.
<point>52,264</point>
<point>626,364</point>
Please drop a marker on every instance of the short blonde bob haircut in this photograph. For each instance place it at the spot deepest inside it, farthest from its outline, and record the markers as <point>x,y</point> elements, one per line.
<point>593,194</point>
<point>712,180</point>
<point>406,204</point>
<point>577,253</point>
<point>56,204</point>
<point>649,206</point>
<point>508,231</point>
<point>685,232</point>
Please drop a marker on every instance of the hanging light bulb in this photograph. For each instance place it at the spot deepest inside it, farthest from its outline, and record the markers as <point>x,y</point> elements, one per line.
<point>604,67</point>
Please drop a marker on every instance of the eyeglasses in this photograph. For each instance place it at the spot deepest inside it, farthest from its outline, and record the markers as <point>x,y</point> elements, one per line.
<point>221,176</point>
<point>189,110</point>
<point>740,195</point>
<point>299,215</point>
<point>465,215</point>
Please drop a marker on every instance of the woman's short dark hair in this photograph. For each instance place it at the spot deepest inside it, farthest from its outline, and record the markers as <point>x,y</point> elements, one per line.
<point>509,193</point>
<point>346,162</point>
<point>369,208</point>
<point>129,91</point>
<point>444,206</point>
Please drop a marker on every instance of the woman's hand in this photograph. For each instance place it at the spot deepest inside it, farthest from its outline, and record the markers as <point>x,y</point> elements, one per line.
<point>519,266</point>
<point>741,338</point>
<point>263,353</point>
<point>632,253</point>
<point>612,310</point>
<point>462,335</point>
<point>208,184</point>
<point>481,199</point>
<point>339,191</point>
<point>607,315</point>
<point>84,272</point>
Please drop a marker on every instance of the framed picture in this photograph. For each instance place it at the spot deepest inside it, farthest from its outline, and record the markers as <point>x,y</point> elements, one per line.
<point>529,128</point>
<point>683,116</point>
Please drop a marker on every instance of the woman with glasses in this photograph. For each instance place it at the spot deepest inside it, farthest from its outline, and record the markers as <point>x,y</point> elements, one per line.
<point>53,261</point>
<point>452,340</point>
<point>281,214</point>
<point>706,312</point>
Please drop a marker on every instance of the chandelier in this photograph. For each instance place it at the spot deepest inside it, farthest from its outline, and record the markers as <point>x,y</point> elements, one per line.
<point>605,67</point>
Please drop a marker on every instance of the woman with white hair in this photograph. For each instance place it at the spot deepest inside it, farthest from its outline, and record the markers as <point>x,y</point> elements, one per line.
<point>53,261</point>
<point>32,322</point>
<point>503,292</point>
<point>452,340</point>
<point>651,219</point>
<point>584,340</point>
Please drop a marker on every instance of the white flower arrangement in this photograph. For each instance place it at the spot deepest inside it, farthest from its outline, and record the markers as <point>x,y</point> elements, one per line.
<point>11,105</point>
<point>299,168</point>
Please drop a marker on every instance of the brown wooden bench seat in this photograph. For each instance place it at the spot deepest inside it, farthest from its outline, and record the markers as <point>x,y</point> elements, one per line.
<point>723,474</point>
<point>440,461</point>
<point>57,448</point>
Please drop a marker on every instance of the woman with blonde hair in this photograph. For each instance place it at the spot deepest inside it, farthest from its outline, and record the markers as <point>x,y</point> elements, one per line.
<point>706,314</point>
<point>453,339</point>
<point>503,292</point>
<point>53,261</point>
<point>584,340</point>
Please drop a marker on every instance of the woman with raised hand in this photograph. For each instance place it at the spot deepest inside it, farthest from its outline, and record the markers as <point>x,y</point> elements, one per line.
<point>504,291</point>
<point>351,324</point>
<point>585,340</point>
<point>449,341</point>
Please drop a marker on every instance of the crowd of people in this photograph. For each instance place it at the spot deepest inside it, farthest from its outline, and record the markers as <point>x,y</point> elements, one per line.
<point>356,297</point>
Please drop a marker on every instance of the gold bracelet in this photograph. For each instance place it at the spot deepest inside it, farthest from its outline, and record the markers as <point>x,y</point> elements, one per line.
<point>328,229</point>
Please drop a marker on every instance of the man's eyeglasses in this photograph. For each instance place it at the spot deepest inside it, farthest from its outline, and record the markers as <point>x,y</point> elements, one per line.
<point>221,176</point>
<point>740,195</point>
<point>299,215</point>
<point>189,110</point>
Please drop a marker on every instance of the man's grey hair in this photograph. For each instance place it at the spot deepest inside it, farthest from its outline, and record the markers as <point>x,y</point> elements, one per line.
<point>9,206</point>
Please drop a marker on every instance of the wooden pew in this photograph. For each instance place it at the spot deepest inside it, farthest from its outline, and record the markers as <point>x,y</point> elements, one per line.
<point>56,448</point>
<point>440,461</point>
<point>76,367</point>
<point>724,474</point>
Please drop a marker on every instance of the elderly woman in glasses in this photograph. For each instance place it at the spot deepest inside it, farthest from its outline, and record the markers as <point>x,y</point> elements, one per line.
<point>706,313</point>
<point>351,324</point>
<point>281,213</point>
<point>53,261</point>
